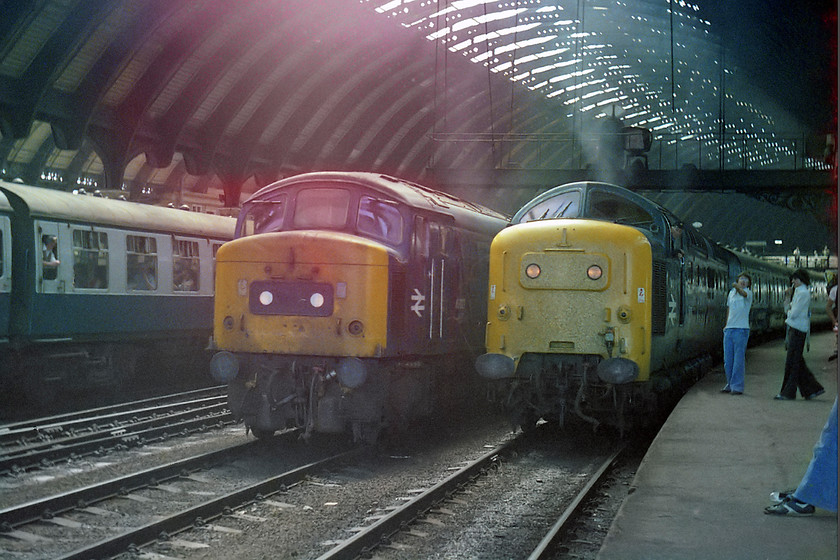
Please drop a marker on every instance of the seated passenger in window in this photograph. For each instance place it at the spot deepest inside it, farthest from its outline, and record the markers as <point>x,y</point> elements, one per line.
<point>184,277</point>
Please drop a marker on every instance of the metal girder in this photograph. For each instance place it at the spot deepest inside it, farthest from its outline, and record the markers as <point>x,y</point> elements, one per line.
<point>31,86</point>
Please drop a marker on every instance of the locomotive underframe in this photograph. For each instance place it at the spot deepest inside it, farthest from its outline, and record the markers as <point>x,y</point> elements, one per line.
<point>331,395</point>
<point>552,387</point>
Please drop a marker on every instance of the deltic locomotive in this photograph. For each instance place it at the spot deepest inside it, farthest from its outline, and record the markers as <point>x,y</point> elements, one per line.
<point>602,305</point>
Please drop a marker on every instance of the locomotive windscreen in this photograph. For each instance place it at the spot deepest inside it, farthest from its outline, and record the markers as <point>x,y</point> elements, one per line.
<point>564,205</point>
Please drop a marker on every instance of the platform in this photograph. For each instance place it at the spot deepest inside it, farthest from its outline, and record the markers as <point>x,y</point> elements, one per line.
<point>702,487</point>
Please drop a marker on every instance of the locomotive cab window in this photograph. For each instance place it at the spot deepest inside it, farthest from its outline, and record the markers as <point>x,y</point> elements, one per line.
<point>380,219</point>
<point>608,206</point>
<point>263,216</point>
<point>564,205</point>
<point>420,238</point>
<point>185,266</point>
<point>321,208</point>
<point>141,263</point>
<point>90,259</point>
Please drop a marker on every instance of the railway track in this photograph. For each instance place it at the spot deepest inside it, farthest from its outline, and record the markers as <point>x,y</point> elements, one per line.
<point>45,441</point>
<point>553,539</point>
<point>430,508</point>
<point>384,528</point>
<point>279,498</point>
<point>51,526</point>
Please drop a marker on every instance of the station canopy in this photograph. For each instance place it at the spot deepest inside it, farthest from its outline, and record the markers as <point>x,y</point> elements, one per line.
<point>159,96</point>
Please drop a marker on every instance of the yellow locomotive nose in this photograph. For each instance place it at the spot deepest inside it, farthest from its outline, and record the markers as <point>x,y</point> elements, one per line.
<point>573,289</point>
<point>313,293</point>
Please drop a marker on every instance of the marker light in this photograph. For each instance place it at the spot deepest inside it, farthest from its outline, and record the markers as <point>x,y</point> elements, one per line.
<point>532,270</point>
<point>594,272</point>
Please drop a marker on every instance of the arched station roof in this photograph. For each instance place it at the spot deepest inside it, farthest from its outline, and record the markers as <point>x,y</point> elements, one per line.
<point>172,95</point>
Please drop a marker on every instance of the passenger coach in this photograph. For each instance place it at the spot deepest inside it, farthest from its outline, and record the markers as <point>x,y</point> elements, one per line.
<point>90,285</point>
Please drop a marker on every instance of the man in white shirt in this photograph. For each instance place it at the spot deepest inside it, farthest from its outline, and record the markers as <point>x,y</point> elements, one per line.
<point>736,334</point>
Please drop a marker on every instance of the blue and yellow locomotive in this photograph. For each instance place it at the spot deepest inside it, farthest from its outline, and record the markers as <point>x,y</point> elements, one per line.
<point>343,297</point>
<point>601,302</point>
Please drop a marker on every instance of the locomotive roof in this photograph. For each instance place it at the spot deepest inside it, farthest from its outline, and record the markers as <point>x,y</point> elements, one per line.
<point>411,194</point>
<point>49,203</point>
<point>651,206</point>
<point>589,185</point>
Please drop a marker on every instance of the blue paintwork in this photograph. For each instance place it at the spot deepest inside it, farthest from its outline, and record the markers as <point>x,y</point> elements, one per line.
<point>100,315</point>
<point>5,302</point>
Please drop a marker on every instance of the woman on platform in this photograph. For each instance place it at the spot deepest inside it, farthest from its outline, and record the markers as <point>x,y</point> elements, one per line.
<point>797,374</point>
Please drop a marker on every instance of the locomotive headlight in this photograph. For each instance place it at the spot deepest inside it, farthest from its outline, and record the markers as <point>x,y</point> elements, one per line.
<point>266,298</point>
<point>594,272</point>
<point>532,271</point>
<point>316,300</point>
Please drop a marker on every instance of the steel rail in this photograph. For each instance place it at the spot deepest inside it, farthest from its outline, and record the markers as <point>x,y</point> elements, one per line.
<point>128,435</point>
<point>374,535</point>
<point>202,513</point>
<point>50,506</point>
<point>104,411</point>
<point>549,541</point>
<point>47,430</point>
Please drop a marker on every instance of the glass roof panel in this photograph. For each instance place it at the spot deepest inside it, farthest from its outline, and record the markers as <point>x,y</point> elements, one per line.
<point>636,61</point>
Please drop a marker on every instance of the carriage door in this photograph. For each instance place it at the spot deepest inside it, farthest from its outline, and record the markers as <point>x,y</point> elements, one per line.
<point>5,274</point>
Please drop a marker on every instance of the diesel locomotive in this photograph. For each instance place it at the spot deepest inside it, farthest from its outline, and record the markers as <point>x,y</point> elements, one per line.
<point>601,304</point>
<point>345,301</point>
<point>89,286</point>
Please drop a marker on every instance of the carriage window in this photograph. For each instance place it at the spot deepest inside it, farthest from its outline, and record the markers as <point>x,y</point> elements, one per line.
<point>185,265</point>
<point>564,205</point>
<point>1,253</point>
<point>380,219</point>
<point>90,259</point>
<point>264,216</point>
<point>321,208</point>
<point>50,262</point>
<point>141,262</point>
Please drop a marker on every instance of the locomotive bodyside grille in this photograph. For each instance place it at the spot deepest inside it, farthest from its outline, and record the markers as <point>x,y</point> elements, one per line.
<point>659,305</point>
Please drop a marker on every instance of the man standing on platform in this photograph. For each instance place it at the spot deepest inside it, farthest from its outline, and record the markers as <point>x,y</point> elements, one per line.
<point>736,334</point>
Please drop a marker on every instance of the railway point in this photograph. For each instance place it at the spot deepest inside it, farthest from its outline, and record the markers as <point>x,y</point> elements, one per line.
<point>701,489</point>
